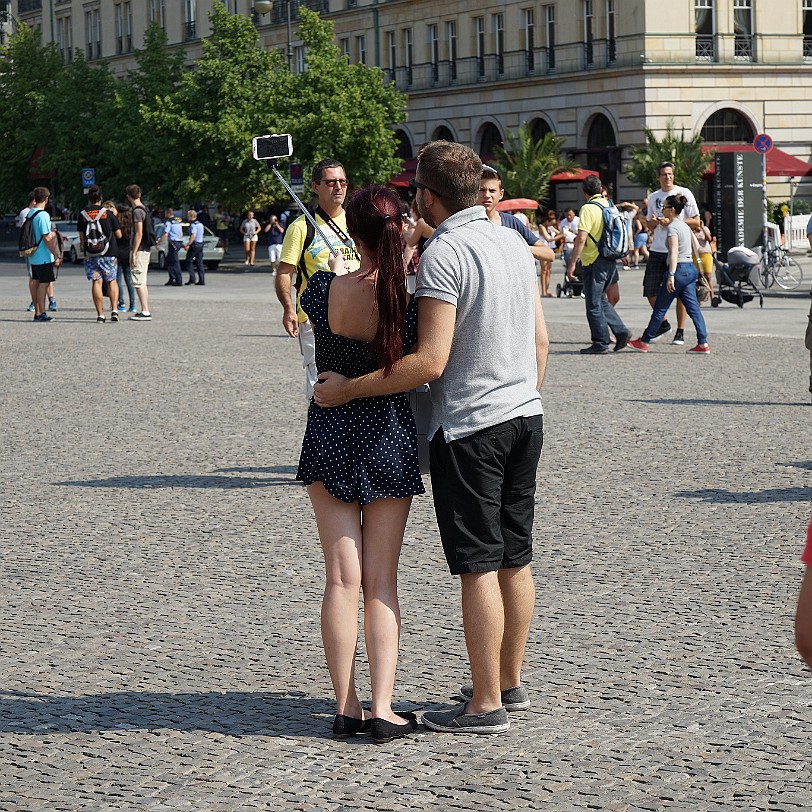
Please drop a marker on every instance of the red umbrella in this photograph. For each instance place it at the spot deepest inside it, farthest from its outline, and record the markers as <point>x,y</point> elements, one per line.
<point>516,204</point>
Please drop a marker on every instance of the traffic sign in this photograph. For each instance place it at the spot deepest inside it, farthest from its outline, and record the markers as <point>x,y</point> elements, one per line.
<point>88,177</point>
<point>763,143</point>
<point>297,178</point>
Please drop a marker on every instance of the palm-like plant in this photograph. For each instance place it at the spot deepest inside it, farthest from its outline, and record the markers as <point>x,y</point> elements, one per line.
<point>527,165</point>
<point>690,162</point>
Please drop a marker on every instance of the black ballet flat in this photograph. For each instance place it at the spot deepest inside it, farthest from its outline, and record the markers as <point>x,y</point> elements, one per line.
<point>384,731</point>
<point>346,726</point>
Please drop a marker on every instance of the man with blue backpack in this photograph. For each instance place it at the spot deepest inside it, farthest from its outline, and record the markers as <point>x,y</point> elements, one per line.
<point>602,238</point>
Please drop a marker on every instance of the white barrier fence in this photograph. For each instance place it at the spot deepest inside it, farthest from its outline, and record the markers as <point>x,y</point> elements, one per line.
<point>795,232</point>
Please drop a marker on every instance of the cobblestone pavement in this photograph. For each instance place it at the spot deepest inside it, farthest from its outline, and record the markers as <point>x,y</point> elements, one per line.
<point>160,649</point>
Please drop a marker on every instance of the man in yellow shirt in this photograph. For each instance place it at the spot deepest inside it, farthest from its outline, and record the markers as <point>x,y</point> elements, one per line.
<point>299,262</point>
<point>599,273</point>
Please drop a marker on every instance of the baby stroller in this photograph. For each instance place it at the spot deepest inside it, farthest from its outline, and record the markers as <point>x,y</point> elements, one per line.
<point>571,288</point>
<point>734,281</point>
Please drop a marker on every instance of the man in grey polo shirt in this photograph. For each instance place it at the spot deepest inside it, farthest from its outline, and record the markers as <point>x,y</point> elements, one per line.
<point>482,343</point>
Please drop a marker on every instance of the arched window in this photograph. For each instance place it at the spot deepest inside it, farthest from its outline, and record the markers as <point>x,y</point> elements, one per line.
<point>489,138</point>
<point>404,149</point>
<point>539,128</point>
<point>601,133</point>
<point>442,133</point>
<point>728,126</point>
<point>602,154</point>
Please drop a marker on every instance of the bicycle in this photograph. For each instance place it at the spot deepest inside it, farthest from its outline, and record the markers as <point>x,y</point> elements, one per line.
<point>778,267</point>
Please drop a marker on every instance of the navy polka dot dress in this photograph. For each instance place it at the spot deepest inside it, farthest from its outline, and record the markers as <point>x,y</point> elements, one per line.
<point>367,448</point>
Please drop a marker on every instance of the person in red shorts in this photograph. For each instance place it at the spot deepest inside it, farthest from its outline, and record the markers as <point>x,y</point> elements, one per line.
<point>803,615</point>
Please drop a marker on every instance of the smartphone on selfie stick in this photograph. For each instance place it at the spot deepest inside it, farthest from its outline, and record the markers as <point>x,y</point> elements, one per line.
<point>273,147</point>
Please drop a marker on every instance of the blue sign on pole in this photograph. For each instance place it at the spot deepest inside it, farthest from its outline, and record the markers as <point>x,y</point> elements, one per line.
<point>88,177</point>
<point>763,143</point>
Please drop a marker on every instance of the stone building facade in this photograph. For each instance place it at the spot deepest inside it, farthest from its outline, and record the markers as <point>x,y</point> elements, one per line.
<point>594,71</point>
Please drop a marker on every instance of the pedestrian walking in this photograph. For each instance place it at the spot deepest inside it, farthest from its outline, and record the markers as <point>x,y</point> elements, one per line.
<point>194,251</point>
<point>249,228</point>
<point>680,279</point>
<point>99,233</point>
<point>47,257</point>
<point>276,234</point>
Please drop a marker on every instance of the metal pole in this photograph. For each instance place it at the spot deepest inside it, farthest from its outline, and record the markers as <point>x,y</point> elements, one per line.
<point>764,234</point>
<point>301,205</point>
<point>290,49</point>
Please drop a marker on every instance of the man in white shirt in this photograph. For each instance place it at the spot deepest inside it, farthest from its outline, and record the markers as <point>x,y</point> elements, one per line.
<point>657,264</point>
<point>569,228</point>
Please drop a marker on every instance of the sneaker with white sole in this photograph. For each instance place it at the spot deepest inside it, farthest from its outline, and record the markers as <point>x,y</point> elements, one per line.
<point>663,330</point>
<point>457,721</point>
<point>514,699</point>
<point>679,337</point>
<point>141,317</point>
<point>700,349</point>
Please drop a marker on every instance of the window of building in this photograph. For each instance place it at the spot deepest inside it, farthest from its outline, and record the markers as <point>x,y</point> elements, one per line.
<point>124,28</point>
<point>529,38</point>
<point>611,31</point>
<point>589,50</point>
<point>392,51</point>
<point>743,30</point>
<point>404,148</point>
<point>64,38</point>
<point>361,49</point>
<point>499,41</point>
<point>433,45</point>
<point>299,59</point>
<point>728,126</point>
<point>704,30</point>
<point>539,128</point>
<point>408,53</point>
<point>451,40</point>
<point>479,29</point>
<point>807,29</point>
<point>344,45</point>
<point>157,12</point>
<point>549,21</point>
<point>189,19</point>
<point>93,34</point>
<point>442,133</point>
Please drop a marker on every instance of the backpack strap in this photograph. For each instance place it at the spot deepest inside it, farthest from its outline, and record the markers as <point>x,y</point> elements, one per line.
<point>301,266</point>
<point>602,208</point>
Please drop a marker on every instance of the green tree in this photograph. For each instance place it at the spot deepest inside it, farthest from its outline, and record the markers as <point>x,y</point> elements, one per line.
<point>28,74</point>
<point>690,162</point>
<point>138,153</point>
<point>341,110</point>
<point>527,165</point>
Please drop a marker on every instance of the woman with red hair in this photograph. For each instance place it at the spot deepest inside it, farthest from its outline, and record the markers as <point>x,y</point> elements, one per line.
<point>359,461</point>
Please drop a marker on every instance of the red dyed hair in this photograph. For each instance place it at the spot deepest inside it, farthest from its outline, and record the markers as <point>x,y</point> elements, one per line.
<point>373,218</point>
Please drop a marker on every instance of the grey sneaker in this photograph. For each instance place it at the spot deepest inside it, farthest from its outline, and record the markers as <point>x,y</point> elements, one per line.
<point>457,721</point>
<point>514,699</point>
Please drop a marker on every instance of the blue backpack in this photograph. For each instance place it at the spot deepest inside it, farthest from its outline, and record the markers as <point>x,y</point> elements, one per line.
<point>614,239</point>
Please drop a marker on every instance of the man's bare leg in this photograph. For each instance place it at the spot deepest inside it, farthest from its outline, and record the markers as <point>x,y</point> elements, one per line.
<point>518,601</point>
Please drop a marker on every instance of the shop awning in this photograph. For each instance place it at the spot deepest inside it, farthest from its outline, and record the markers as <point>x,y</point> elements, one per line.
<point>780,164</point>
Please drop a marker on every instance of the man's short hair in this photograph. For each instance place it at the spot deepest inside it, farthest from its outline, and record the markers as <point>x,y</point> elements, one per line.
<point>94,194</point>
<point>454,171</point>
<point>664,165</point>
<point>325,163</point>
<point>133,191</point>
<point>191,214</point>
<point>591,185</point>
<point>491,173</point>
<point>567,211</point>
<point>41,194</point>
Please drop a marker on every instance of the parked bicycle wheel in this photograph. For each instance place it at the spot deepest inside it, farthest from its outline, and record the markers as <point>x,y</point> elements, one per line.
<point>788,273</point>
<point>765,275</point>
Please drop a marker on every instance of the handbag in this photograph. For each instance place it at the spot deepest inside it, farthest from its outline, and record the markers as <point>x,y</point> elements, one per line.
<point>703,288</point>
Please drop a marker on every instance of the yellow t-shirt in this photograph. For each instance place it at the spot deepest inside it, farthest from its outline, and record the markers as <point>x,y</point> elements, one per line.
<point>317,253</point>
<point>590,219</point>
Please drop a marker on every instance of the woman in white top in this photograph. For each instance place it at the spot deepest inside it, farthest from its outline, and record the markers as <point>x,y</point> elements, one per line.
<point>680,280</point>
<point>250,236</point>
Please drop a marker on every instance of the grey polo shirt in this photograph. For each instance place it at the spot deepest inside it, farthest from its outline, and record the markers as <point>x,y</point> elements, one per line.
<point>488,273</point>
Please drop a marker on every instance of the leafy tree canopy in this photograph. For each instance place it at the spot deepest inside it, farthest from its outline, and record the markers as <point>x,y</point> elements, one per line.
<point>527,165</point>
<point>690,162</point>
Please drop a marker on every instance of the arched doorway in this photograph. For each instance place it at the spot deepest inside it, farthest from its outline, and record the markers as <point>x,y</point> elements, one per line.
<point>539,128</point>
<point>489,137</point>
<point>404,149</point>
<point>442,133</point>
<point>602,152</point>
<point>728,126</point>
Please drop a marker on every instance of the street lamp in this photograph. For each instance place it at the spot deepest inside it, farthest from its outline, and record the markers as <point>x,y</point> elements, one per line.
<point>264,7</point>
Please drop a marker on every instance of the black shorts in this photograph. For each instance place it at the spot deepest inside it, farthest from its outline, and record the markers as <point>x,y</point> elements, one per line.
<point>656,268</point>
<point>43,273</point>
<point>484,490</point>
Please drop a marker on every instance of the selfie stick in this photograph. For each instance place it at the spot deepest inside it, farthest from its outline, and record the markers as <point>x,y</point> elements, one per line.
<point>305,212</point>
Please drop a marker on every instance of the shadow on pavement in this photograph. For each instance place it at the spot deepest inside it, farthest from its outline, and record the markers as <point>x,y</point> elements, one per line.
<point>749,497</point>
<point>231,713</point>
<point>180,481</point>
<point>708,402</point>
